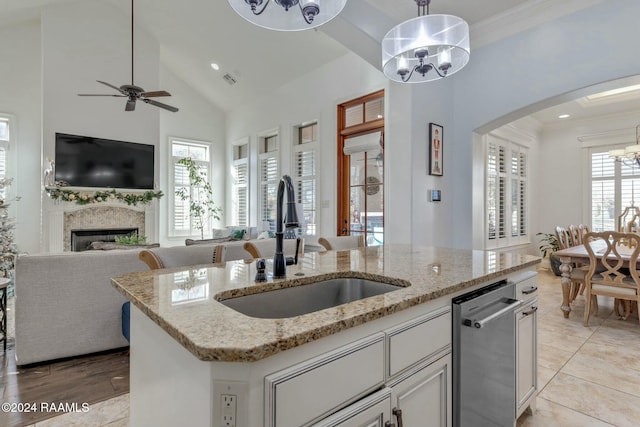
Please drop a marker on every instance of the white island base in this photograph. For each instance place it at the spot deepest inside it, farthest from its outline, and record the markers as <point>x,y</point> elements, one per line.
<point>355,377</point>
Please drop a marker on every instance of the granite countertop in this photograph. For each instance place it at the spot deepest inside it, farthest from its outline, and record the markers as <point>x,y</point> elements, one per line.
<point>185,301</point>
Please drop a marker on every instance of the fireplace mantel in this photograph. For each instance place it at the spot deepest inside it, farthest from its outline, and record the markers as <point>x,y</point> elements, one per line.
<point>61,217</point>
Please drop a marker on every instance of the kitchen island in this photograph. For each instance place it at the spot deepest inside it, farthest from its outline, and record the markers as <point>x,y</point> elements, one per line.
<point>195,361</point>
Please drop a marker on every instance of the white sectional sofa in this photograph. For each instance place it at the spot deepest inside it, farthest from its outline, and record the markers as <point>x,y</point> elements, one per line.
<point>66,306</point>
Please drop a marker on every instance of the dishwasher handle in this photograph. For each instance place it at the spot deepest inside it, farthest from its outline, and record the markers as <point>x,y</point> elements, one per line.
<point>512,304</point>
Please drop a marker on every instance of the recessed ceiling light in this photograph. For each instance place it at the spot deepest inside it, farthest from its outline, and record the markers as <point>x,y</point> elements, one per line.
<point>564,116</point>
<point>215,66</point>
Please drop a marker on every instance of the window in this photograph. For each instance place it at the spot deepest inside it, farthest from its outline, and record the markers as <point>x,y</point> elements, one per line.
<point>506,193</point>
<point>181,222</point>
<point>304,176</point>
<point>613,187</point>
<point>240,186</point>
<point>5,139</point>
<point>269,179</point>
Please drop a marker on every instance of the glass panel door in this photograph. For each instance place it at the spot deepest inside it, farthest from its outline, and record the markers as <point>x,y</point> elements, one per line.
<point>366,201</point>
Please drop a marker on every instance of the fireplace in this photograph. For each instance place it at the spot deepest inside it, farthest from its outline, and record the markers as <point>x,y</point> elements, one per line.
<point>81,239</point>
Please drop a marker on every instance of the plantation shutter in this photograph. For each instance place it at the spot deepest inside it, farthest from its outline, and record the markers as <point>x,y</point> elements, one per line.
<point>305,176</point>
<point>181,219</point>
<point>4,146</point>
<point>268,190</point>
<point>506,193</point>
<point>241,203</point>
<point>182,222</point>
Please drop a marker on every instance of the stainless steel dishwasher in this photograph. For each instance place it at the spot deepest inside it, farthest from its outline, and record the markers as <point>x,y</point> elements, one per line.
<point>484,357</point>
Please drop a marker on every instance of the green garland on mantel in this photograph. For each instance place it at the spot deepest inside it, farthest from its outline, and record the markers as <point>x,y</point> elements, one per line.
<point>80,198</point>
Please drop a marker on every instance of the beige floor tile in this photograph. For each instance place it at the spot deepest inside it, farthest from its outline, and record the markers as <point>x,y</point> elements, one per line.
<point>544,376</point>
<point>552,357</point>
<point>99,414</point>
<point>595,400</point>
<point>610,366</point>
<point>550,414</point>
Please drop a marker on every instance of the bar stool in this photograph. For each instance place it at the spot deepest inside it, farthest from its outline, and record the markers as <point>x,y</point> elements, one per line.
<point>4,283</point>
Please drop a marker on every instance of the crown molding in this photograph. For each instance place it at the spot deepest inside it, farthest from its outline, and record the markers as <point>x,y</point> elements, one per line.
<point>610,137</point>
<point>522,18</point>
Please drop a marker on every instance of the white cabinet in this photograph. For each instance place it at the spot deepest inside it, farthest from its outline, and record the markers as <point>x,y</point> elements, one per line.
<point>372,411</point>
<point>423,398</point>
<point>406,366</point>
<point>526,355</point>
<point>314,388</point>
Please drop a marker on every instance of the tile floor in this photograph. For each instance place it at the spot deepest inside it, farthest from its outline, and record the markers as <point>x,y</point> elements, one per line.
<point>587,376</point>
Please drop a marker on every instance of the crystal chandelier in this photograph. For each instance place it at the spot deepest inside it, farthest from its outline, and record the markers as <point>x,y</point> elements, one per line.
<point>629,156</point>
<point>425,48</point>
<point>312,13</point>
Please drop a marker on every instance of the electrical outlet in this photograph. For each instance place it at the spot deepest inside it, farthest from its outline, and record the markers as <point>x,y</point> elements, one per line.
<point>230,404</point>
<point>229,410</point>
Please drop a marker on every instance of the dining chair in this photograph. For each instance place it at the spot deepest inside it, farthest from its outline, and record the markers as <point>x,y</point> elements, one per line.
<point>564,239</point>
<point>338,243</point>
<point>181,256</point>
<point>577,271</point>
<point>575,235</point>
<point>266,248</point>
<point>618,276</point>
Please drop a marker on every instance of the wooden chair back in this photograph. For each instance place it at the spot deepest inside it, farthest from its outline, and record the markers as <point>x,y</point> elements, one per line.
<point>613,270</point>
<point>564,239</point>
<point>182,256</point>
<point>266,248</point>
<point>338,243</point>
<point>574,235</point>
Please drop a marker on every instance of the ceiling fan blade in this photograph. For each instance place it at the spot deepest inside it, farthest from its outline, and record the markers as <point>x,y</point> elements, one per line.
<point>111,86</point>
<point>131,105</point>
<point>99,94</point>
<point>155,93</point>
<point>161,105</point>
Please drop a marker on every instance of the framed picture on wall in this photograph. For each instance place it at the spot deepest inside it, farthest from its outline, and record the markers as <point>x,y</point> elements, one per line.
<point>436,143</point>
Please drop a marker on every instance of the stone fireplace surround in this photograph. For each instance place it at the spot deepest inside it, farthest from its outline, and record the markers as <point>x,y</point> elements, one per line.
<point>63,217</point>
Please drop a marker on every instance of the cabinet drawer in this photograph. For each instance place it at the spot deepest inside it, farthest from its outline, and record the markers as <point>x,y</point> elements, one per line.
<point>308,391</point>
<point>527,288</point>
<point>413,341</point>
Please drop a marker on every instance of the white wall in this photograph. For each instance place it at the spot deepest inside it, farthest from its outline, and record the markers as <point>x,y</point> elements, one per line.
<point>570,53</point>
<point>315,96</point>
<point>564,171</point>
<point>197,120</point>
<point>51,60</point>
<point>21,88</point>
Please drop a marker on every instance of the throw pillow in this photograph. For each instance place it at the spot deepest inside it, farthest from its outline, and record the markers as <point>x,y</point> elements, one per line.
<point>237,233</point>
<point>189,242</point>
<point>220,233</point>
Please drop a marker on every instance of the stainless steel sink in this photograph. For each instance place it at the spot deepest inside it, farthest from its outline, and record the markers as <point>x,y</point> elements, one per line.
<point>303,299</point>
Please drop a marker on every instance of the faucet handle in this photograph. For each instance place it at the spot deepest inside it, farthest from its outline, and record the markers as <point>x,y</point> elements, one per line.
<point>261,266</point>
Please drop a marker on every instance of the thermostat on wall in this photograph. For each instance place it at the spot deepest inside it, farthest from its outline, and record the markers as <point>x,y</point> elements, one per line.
<point>435,195</point>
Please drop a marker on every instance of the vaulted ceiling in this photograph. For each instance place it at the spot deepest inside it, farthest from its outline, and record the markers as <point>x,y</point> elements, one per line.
<point>194,33</point>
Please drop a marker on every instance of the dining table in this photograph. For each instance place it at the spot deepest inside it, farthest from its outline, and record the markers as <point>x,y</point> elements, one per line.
<point>577,254</point>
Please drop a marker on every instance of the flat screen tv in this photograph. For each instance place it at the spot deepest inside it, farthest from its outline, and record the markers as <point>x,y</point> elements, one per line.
<point>83,161</point>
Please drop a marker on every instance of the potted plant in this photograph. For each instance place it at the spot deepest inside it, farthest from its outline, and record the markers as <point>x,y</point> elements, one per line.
<point>548,246</point>
<point>199,195</point>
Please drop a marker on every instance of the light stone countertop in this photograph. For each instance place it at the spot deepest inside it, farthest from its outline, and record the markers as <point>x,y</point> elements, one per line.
<point>189,311</point>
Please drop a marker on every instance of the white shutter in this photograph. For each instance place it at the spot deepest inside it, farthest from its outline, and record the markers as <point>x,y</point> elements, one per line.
<point>182,223</point>
<point>506,193</point>
<point>268,189</point>
<point>305,177</point>
<point>240,193</point>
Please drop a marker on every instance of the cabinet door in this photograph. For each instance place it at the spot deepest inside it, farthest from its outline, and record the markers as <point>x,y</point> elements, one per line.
<point>372,411</point>
<point>526,354</point>
<point>424,397</point>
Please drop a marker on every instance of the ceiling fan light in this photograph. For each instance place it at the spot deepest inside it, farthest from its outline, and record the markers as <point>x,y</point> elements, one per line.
<point>445,37</point>
<point>281,15</point>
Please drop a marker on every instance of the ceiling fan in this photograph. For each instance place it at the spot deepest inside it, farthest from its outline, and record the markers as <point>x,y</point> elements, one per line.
<point>133,92</point>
